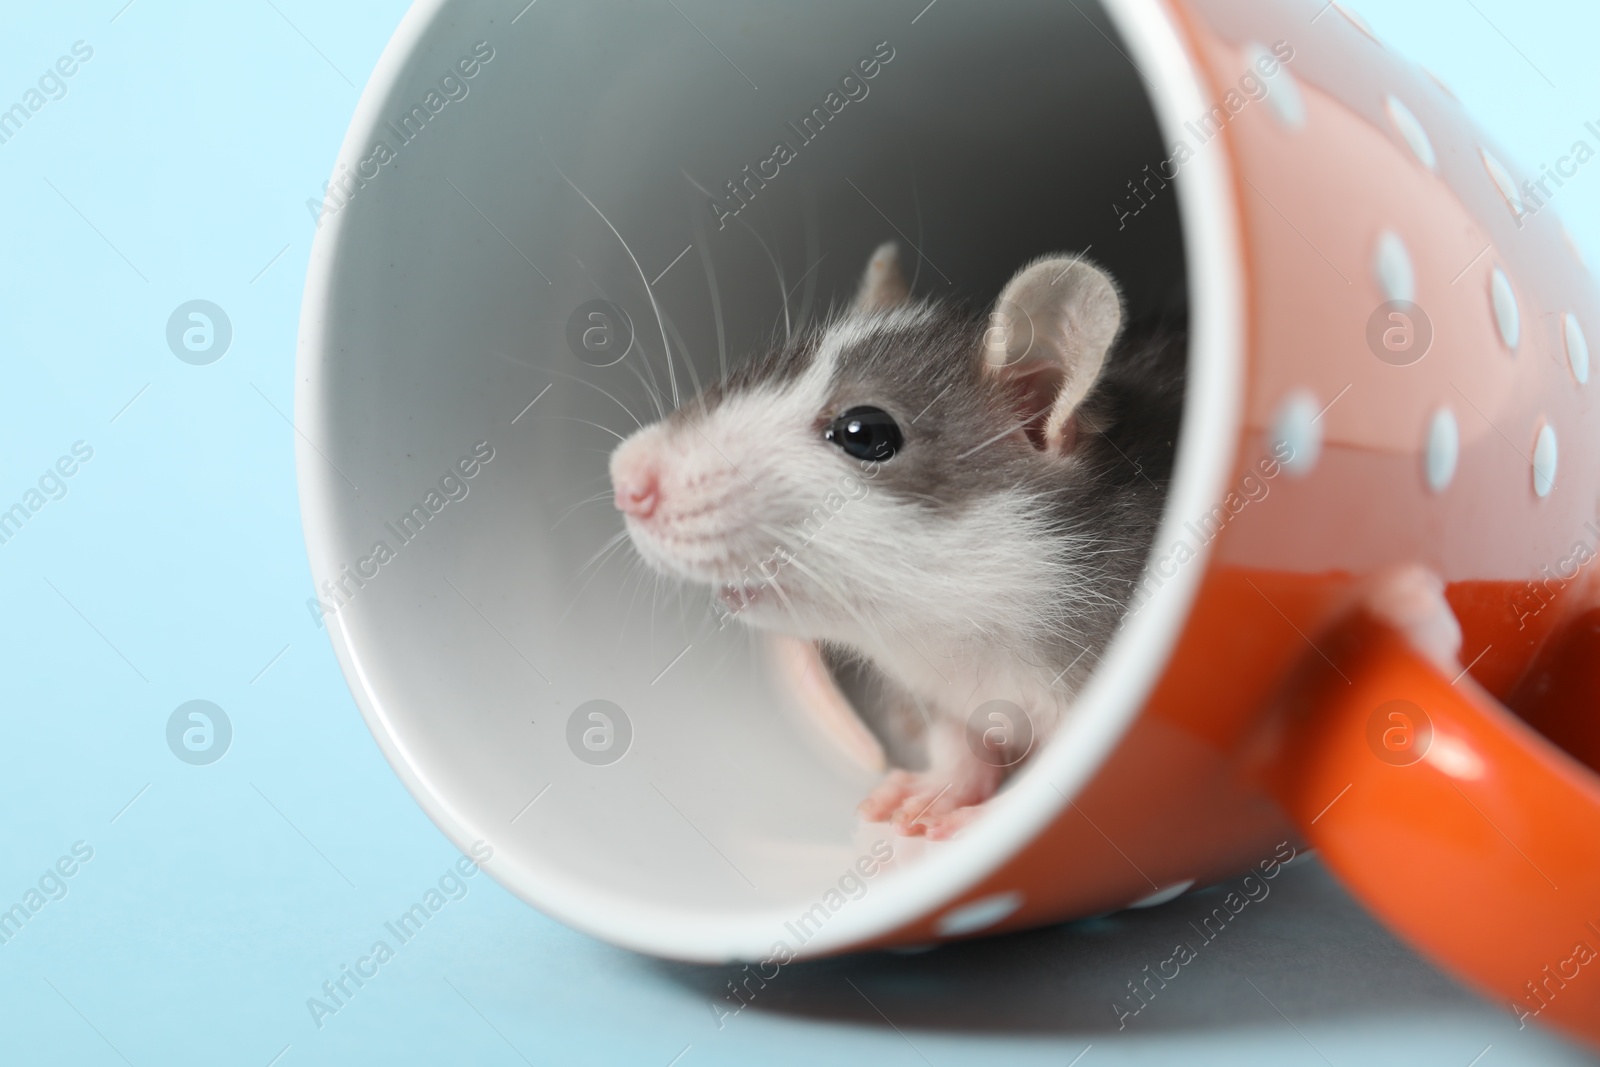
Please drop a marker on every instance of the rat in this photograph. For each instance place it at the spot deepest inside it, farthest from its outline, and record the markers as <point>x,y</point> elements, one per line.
<point>954,506</point>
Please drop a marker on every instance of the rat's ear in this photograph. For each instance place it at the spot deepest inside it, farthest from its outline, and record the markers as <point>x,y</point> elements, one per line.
<point>882,284</point>
<point>1047,339</point>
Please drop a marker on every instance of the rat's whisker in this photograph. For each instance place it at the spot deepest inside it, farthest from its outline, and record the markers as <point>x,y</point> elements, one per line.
<point>655,607</point>
<point>611,542</point>
<point>683,346</point>
<point>639,571</point>
<point>671,373</point>
<point>651,387</point>
<point>783,292</point>
<point>787,330</point>
<point>617,540</point>
<point>808,204</point>
<point>776,588</point>
<point>567,512</point>
<point>843,601</point>
<point>980,446</point>
<point>603,392</point>
<point>704,248</point>
<point>573,418</point>
<point>916,204</point>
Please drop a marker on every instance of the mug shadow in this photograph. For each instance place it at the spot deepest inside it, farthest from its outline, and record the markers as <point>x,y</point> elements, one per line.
<point>1304,952</point>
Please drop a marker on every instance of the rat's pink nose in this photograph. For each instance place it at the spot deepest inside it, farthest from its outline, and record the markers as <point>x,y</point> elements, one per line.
<point>637,491</point>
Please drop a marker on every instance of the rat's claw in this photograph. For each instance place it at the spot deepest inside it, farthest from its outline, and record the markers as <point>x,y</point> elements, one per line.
<point>923,802</point>
<point>886,799</point>
<point>945,826</point>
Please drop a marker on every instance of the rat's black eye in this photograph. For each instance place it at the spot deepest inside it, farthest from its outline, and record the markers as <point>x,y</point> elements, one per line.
<point>865,433</point>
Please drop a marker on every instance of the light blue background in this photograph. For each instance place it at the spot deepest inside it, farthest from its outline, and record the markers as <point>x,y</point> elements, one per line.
<point>178,166</point>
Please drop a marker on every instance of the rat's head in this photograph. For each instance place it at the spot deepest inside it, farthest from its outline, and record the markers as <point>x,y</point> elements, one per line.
<point>901,464</point>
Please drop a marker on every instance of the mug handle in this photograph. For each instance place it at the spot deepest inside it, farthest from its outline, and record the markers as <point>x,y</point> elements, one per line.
<point>1462,829</point>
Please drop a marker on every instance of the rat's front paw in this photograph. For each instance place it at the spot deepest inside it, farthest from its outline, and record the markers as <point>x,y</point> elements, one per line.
<point>886,798</point>
<point>929,802</point>
<point>944,826</point>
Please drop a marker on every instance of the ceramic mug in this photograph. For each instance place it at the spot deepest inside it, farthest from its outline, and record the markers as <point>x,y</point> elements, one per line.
<point>541,219</point>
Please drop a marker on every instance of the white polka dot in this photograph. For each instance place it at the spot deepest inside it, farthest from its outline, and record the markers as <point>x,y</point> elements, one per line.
<point>1391,266</point>
<point>1544,460</point>
<point>1506,315</point>
<point>1577,348</point>
<point>1503,181</point>
<point>1161,896</point>
<point>1444,448</point>
<point>1283,92</point>
<point>1572,246</point>
<point>978,915</point>
<point>1296,432</point>
<point>1410,128</point>
<point>1440,82</point>
<point>1357,21</point>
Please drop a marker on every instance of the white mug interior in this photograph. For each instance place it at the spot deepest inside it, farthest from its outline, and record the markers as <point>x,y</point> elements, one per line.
<point>445,415</point>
